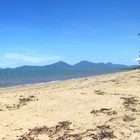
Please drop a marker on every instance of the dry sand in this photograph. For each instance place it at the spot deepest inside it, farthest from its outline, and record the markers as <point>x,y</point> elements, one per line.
<point>104,107</point>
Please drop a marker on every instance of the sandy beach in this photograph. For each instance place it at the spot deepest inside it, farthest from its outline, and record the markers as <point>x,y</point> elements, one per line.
<point>94,108</point>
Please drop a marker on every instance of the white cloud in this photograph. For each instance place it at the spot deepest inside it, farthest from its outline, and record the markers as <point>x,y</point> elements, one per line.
<point>137,59</point>
<point>33,59</point>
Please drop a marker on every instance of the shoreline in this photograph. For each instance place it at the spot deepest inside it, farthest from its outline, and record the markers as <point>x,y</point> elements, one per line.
<point>57,81</point>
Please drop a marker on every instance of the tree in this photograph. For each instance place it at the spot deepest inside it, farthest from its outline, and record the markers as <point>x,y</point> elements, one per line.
<point>139,52</point>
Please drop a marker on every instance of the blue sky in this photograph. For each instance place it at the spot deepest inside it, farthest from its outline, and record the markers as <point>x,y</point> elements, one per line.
<point>40,32</point>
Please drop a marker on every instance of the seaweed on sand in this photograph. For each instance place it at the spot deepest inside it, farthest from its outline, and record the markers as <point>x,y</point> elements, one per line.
<point>104,111</point>
<point>130,103</point>
<point>62,131</point>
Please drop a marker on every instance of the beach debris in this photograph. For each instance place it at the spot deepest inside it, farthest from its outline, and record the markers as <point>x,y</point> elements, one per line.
<point>70,137</point>
<point>130,103</point>
<point>100,133</point>
<point>107,111</point>
<point>12,107</point>
<point>33,133</point>
<point>24,100</point>
<point>99,92</point>
<point>86,79</point>
<point>128,118</point>
<point>21,102</point>
<point>83,93</point>
<point>115,81</point>
<point>58,131</point>
<point>62,131</point>
<point>104,132</point>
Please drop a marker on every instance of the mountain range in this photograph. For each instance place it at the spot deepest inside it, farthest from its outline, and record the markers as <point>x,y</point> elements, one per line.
<point>83,65</point>
<point>57,71</point>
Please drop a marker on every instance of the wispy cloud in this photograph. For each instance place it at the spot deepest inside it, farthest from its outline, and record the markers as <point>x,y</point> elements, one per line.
<point>137,59</point>
<point>33,59</point>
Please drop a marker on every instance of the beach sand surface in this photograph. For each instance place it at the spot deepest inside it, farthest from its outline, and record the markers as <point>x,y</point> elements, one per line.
<point>95,108</point>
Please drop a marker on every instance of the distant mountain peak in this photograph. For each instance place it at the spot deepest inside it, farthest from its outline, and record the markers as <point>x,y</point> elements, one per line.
<point>85,61</point>
<point>109,63</point>
<point>61,63</point>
